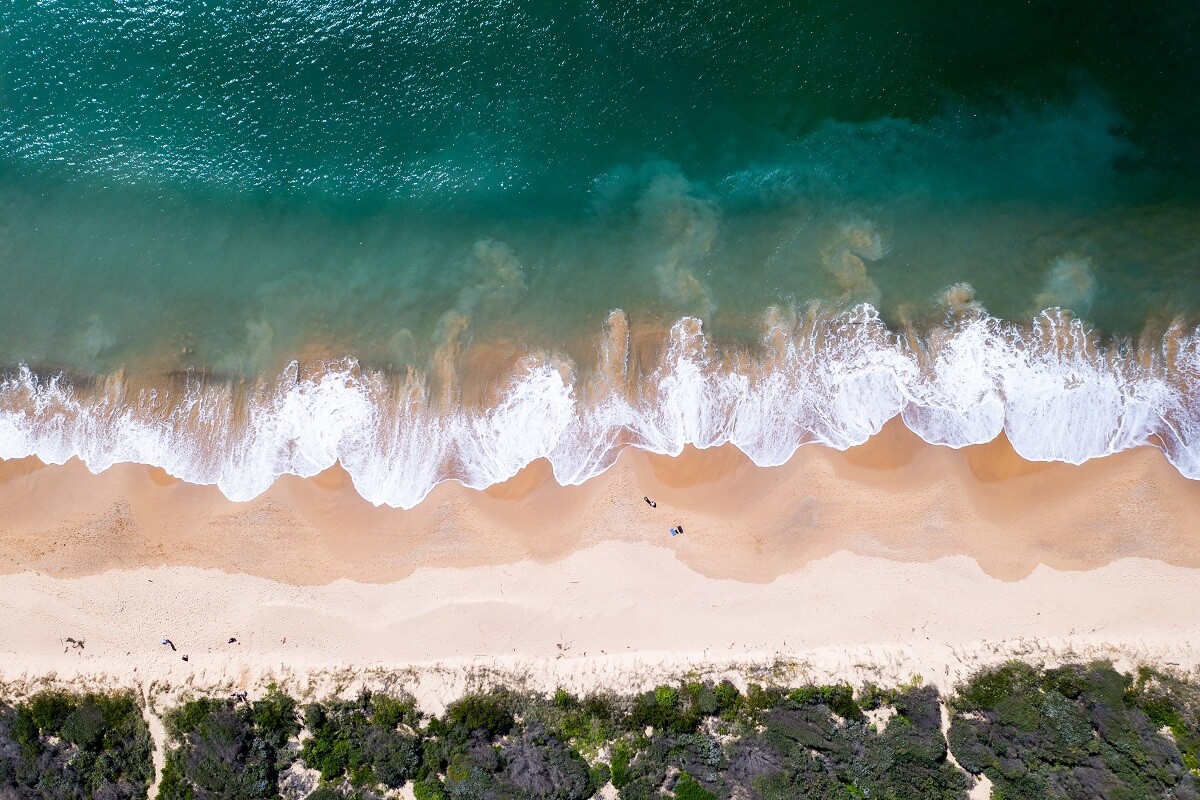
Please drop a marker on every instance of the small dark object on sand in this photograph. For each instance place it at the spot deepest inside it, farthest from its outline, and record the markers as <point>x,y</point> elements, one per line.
<point>679,528</point>
<point>76,643</point>
<point>650,502</point>
<point>233,640</point>
<point>674,532</point>
<point>169,643</point>
<point>185,658</point>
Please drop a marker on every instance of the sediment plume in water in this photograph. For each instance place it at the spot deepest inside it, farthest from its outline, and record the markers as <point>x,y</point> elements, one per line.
<point>1053,387</point>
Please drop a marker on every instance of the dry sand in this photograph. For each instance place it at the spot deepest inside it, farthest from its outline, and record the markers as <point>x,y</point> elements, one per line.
<point>891,559</point>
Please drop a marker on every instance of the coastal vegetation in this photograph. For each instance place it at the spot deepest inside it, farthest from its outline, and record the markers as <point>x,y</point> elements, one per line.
<point>57,745</point>
<point>1079,730</point>
<point>228,749</point>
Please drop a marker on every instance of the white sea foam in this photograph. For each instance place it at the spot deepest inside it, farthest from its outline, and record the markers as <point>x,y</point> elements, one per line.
<point>1054,390</point>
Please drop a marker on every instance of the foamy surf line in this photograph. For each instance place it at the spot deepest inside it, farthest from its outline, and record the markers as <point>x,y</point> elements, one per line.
<point>1050,386</point>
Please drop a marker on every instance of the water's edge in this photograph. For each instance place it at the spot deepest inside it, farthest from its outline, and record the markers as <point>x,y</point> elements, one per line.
<point>1052,387</point>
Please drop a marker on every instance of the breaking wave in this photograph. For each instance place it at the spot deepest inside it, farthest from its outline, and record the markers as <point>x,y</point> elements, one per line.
<point>1052,386</point>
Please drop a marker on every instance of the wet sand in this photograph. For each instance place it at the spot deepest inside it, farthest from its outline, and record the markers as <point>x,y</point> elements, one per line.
<point>894,497</point>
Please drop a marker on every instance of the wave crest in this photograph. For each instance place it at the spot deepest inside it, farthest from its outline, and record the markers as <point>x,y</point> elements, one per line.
<point>1052,387</point>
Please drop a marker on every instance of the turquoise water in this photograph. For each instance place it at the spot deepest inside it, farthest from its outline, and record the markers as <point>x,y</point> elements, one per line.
<point>423,205</point>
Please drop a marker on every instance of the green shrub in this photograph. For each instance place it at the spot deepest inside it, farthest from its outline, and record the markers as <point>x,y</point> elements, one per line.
<point>481,713</point>
<point>587,723</point>
<point>1174,704</point>
<point>390,712</point>
<point>49,710</point>
<point>362,740</point>
<point>185,719</point>
<point>988,688</point>
<point>429,790</point>
<point>728,696</point>
<point>173,785</point>
<point>619,764</point>
<point>1075,731</point>
<point>759,699</point>
<point>601,774</point>
<point>85,728</point>
<point>839,699</point>
<point>221,749</point>
<point>327,750</point>
<point>664,709</point>
<point>274,717</point>
<point>599,707</point>
<point>687,788</point>
<point>62,744</point>
<point>564,699</point>
<point>396,759</point>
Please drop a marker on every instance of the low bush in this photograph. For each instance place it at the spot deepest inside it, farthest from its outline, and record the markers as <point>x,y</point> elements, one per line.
<point>222,749</point>
<point>1076,731</point>
<point>687,788</point>
<point>1072,732</point>
<point>362,739</point>
<point>64,745</point>
<point>488,713</point>
<point>665,709</point>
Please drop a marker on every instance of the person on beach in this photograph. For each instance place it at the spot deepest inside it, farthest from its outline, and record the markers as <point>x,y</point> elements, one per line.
<point>170,644</point>
<point>679,528</point>
<point>650,502</point>
<point>674,532</point>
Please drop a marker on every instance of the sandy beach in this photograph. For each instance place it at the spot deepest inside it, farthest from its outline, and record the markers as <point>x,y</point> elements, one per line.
<point>614,615</point>
<point>895,554</point>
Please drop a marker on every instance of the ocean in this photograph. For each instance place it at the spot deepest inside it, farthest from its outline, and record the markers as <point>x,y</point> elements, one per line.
<point>439,240</point>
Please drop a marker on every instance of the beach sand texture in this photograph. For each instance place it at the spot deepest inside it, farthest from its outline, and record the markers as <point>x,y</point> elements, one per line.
<point>894,497</point>
<point>895,556</point>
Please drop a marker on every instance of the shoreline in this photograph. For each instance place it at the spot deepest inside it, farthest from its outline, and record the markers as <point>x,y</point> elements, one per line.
<point>482,412</point>
<point>895,497</point>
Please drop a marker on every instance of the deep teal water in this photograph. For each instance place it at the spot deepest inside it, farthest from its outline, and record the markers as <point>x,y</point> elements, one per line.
<point>222,187</point>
